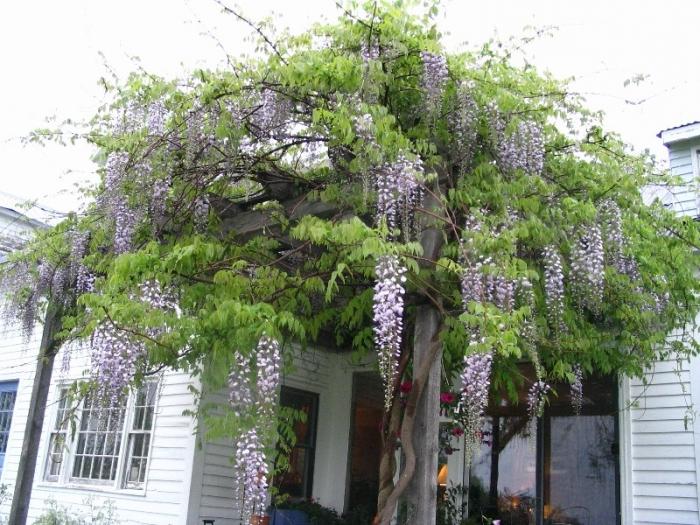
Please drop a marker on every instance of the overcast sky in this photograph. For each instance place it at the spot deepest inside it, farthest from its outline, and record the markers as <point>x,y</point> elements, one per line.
<point>52,55</point>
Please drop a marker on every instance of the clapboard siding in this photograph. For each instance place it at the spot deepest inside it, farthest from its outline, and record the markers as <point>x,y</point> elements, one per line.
<point>663,451</point>
<point>165,498</point>
<point>682,165</point>
<point>313,370</point>
<point>18,364</point>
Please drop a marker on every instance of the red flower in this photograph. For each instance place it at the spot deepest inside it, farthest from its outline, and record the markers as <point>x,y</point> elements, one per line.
<point>447,398</point>
<point>406,387</point>
<point>457,431</point>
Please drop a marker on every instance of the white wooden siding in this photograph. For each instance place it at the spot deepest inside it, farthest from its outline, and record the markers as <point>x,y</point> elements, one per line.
<point>683,164</point>
<point>330,376</point>
<point>166,495</point>
<point>662,462</point>
<point>18,364</point>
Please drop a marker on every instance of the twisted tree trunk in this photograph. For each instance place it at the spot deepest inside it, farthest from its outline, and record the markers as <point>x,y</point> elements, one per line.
<point>422,411</point>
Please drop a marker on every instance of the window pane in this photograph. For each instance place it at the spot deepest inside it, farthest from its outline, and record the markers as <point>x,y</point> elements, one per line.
<point>503,480</point>
<point>140,437</point>
<point>97,449</point>
<point>297,481</point>
<point>580,486</point>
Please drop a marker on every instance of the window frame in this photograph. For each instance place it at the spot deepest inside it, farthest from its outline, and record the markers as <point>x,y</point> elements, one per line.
<point>310,448</point>
<point>65,477</point>
<point>11,386</point>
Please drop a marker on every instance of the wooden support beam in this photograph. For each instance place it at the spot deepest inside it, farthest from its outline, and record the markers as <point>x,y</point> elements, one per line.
<point>35,420</point>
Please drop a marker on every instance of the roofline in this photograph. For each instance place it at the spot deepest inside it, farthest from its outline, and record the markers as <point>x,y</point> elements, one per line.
<point>16,216</point>
<point>679,133</point>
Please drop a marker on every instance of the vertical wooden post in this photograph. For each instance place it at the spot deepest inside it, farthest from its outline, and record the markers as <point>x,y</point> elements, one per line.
<point>35,419</point>
<point>421,495</point>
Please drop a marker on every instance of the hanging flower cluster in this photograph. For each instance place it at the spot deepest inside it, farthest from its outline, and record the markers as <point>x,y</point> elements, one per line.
<point>116,353</point>
<point>156,117</point>
<point>433,80</point>
<point>476,381</point>
<point>258,398</point>
<point>536,398</point>
<point>499,290</point>
<point>554,288</point>
<point>522,150</point>
<point>114,359</point>
<point>473,278</point>
<point>610,220</point>
<point>272,113</point>
<point>588,268</point>
<point>252,472</point>
<point>388,319</point>
<point>398,192</point>
<point>576,391</point>
<point>464,125</point>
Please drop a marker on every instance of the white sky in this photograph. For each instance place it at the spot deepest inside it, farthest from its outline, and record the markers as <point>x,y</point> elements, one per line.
<point>50,62</point>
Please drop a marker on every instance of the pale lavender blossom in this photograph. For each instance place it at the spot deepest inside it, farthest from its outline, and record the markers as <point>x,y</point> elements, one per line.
<point>125,223</point>
<point>268,363</point>
<point>388,319</point>
<point>464,125</point>
<point>114,360</point>
<point>251,474</point>
<point>476,381</point>
<point>576,390</point>
<point>536,398</point>
<point>239,385</point>
<point>610,220</point>
<point>554,288</point>
<point>588,268</point>
<point>157,116</point>
<point>398,193</point>
<point>522,149</point>
<point>433,80</point>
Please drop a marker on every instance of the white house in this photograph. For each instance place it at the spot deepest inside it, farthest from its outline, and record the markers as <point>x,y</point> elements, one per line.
<point>631,458</point>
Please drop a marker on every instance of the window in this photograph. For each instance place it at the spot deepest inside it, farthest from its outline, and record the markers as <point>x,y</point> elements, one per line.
<point>57,439</point>
<point>139,439</point>
<point>560,468</point>
<point>297,481</point>
<point>109,446</point>
<point>8,394</point>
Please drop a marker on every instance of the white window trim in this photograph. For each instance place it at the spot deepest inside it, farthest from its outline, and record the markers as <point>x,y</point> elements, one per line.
<point>118,485</point>
<point>695,161</point>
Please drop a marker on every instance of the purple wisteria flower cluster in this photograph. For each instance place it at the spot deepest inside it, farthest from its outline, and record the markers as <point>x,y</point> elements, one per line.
<point>474,398</point>
<point>433,80</point>
<point>398,193</point>
<point>476,381</point>
<point>252,472</point>
<point>117,353</point>
<point>259,399</point>
<point>554,287</point>
<point>576,390</point>
<point>522,149</point>
<point>473,278</point>
<point>156,117</point>
<point>610,220</point>
<point>500,290</point>
<point>464,121</point>
<point>536,398</point>
<point>388,319</point>
<point>588,268</point>
<point>272,114</point>
<point>113,363</point>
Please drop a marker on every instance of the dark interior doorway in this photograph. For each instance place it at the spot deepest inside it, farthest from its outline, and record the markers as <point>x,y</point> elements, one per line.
<point>365,444</point>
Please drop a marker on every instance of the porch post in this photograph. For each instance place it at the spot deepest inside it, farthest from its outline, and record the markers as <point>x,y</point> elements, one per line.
<point>35,419</point>
<point>421,495</point>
